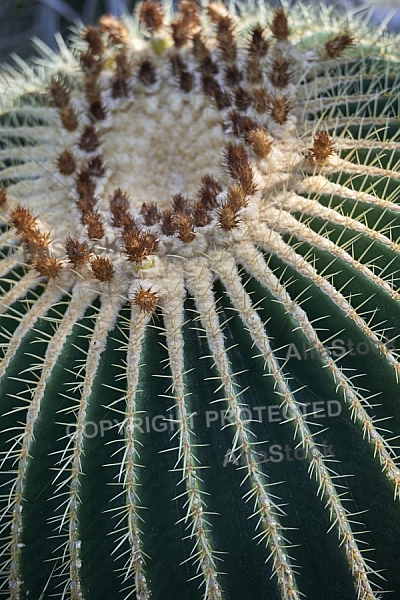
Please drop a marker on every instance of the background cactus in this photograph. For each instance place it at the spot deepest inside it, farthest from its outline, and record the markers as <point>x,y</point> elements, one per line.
<point>200,310</point>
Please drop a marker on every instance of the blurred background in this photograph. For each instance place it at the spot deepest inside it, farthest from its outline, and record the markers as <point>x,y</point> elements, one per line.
<point>20,20</point>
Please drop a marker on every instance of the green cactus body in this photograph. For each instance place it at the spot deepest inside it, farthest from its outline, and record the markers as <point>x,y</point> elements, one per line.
<point>200,321</point>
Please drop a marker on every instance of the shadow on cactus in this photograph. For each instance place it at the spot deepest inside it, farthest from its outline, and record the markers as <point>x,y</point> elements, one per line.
<point>200,316</point>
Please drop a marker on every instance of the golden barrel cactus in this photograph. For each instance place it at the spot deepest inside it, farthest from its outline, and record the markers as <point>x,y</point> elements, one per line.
<point>200,309</point>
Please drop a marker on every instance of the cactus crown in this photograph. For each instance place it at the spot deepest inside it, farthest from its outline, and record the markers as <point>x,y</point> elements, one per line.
<point>207,185</point>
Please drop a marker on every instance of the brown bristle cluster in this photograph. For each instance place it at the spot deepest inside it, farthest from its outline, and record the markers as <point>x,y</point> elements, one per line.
<point>258,45</point>
<point>279,25</point>
<point>184,216</point>
<point>236,197</point>
<point>92,65</point>
<point>146,300</point>
<point>138,245</point>
<point>116,30</point>
<point>59,93</point>
<point>86,203</point>
<point>95,166</point>
<point>102,268</point>
<point>259,142</point>
<point>338,44</point>
<point>257,49</point>
<point>201,216</point>
<point>47,266</point>
<point>180,70</point>
<point>226,39</point>
<point>69,118</point>
<point>185,228</point>
<point>151,16</point>
<point>228,214</point>
<point>180,204</point>
<point>62,100</point>
<point>168,222</point>
<point>323,147</point>
<point>35,242</point>
<point>242,98</point>
<point>150,241</point>
<point>254,70</point>
<point>123,71</point>
<point>147,72</point>
<point>239,168</point>
<point>78,253</point>
<point>212,88</point>
<point>221,98</point>
<point>183,26</point>
<point>280,73</point>
<point>179,219</point>
<point>92,35</point>
<point>228,218</point>
<point>190,13</point>
<point>178,65</point>
<point>215,11</point>
<point>119,208</point>
<point>232,75</point>
<point>203,55</point>
<point>66,163</point>
<point>97,110</point>
<point>150,213</point>
<point>22,219</point>
<point>89,140</point>
<point>260,99</point>
<point>186,81</point>
<point>279,108</point>
<point>85,187</point>
<point>94,223</point>
<point>208,192</point>
<point>209,84</point>
<point>3,196</point>
<point>241,124</point>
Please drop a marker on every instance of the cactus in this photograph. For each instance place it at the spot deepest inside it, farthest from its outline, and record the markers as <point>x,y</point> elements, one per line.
<point>200,309</point>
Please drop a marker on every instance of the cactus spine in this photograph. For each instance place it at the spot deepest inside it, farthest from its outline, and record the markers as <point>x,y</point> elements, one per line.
<point>199,269</point>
